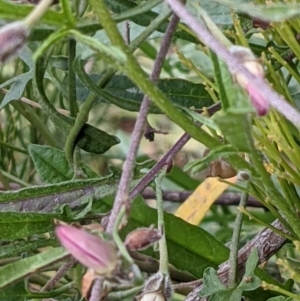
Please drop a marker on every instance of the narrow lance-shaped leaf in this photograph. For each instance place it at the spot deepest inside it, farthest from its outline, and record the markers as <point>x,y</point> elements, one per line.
<point>122,92</point>
<point>12,272</point>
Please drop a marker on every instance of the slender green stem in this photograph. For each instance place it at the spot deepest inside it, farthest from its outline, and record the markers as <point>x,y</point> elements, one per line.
<point>121,295</point>
<point>234,246</point>
<point>275,288</point>
<point>36,121</point>
<point>72,78</point>
<point>13,147</point>
<point>139,9</point>
<point>78,172</point>
<point>273,193</point>
<point>275,230</point>
<point>162,17</point>
<point>4,181</point>
<point>67,11</point>
<point>163,250</point>
<point>14,179</point>
<point>118,241</point>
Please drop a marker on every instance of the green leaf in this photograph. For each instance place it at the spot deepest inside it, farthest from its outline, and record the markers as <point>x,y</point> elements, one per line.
<point>122,92</point>
<point>19,82</point>
<point>94,140</point>
<point>25,246</point>
<point>273,12</point>
<point>212,286</point>
<point>233,99</point>
<point>215,154</point>
<point>202,119</point>
<point>119,6</point>
<point>12,11</point>
<point>18,225</point>
<point>251,263</point>
<point>280,298</point>
<point>212,283</point>
<point>219,13</point>
<point>227,295</point>
<point>240,139</point>
<point>182,179</point>
<point>13,293</point>
<point>250,281</point>
<point>190,248</point>
<point>90,139</point>
<point>52,164</point>
<point>12,272</point>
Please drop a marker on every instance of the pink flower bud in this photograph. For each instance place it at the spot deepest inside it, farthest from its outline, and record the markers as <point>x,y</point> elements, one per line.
<point>250,62</point>
<point>88,249</point>
<point>261,104</point>
<point>12,38</point>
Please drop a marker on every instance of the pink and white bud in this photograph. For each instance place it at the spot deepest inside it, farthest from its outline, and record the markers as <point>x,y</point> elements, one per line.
<point>12,39</point>
<point>261,104</point>
<point>88,249</point>
<point>250,62</point>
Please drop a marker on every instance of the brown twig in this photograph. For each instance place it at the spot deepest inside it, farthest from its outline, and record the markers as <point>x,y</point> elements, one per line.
<point>123,191</point>
<point>226,199</point>
<point>167,158</point>
<point>59,274</point>
<point>35,104</point>
<point>267,244</point>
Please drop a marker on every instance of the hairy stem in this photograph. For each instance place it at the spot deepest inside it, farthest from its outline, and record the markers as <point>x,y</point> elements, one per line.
<point>123,191</point>
<point>163,251</point>
<point>59,274</point>
<point>233,256</point>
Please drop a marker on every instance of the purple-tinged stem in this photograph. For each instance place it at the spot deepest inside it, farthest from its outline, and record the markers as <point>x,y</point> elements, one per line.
<point>59,274</point>
<point>123,191</point>
<point>159,165</point>
<point>166,159</point>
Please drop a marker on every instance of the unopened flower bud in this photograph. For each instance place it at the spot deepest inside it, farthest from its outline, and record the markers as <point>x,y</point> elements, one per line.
<point>88,249</point>
<point>250,62</point>
<point>12,39</point>
<point>157,288</point>
<point>141,238</point>
<point>154,296</point>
